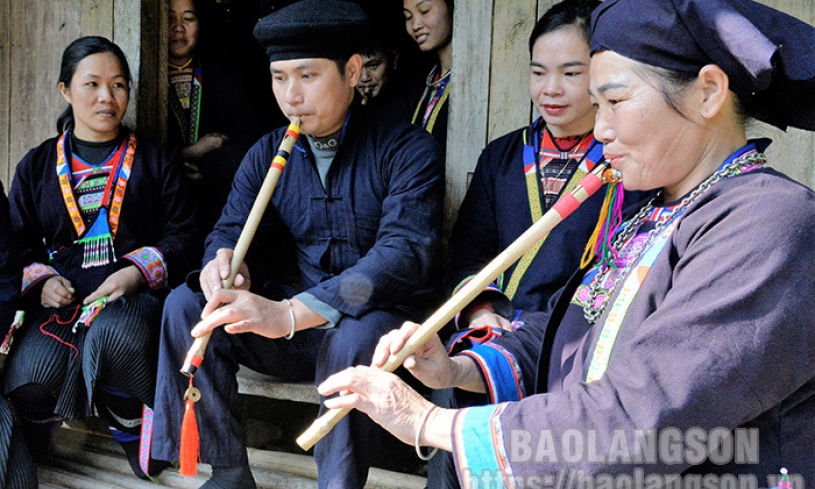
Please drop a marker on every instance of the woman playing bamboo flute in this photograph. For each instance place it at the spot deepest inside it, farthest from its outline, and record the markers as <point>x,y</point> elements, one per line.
<point>518,178</point>
<point>695,315</point>
<point>103,224</point>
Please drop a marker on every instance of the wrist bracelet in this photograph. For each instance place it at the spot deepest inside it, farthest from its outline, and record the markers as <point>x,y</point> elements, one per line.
<point>425,417</point>
<point>293,320</point>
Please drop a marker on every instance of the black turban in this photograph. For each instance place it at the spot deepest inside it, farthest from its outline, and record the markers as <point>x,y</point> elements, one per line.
<point>333,29</point>
<point>769,56</point>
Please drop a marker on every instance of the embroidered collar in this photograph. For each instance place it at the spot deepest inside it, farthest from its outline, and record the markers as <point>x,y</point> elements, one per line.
<point>112,199</point>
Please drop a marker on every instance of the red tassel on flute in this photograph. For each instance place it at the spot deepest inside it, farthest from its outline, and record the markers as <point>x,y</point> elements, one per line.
<point>189,451</point>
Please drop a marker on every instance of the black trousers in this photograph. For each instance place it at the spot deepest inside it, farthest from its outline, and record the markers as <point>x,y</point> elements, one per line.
<point>343,457</point>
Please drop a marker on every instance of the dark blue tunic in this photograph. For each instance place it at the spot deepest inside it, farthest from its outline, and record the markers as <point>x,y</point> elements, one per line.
<point>364,242</point>
<point>364,246</point>
<point>155,233</point>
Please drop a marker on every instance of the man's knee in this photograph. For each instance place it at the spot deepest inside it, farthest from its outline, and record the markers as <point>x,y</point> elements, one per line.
<point>182,310</point>
<point>353,340</point>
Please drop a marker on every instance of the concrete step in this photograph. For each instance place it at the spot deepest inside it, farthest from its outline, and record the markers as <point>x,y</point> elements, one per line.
<point>257,384</point>
<point>83,457</point>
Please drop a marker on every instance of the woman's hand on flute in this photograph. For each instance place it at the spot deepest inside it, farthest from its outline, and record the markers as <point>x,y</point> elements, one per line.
<point>217,270</point>
<point>391,403</point>
<point>430,363</point>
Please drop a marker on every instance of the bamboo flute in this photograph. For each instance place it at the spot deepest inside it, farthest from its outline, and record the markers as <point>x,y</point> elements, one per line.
<point>562,208</point>
<point>196,353</point>
<point>189,446</point>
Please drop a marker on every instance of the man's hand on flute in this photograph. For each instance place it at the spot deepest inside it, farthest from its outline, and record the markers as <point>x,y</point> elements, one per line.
<point>430,363</point>
<point>217,270</point>
<point>392,404</point>
<point>241,311</point>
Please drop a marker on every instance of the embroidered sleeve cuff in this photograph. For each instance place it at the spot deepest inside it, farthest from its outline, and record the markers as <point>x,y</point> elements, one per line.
<point>478,447</point>
<point>35,273</point>
<point>151,263</point>
<point>501,372</point>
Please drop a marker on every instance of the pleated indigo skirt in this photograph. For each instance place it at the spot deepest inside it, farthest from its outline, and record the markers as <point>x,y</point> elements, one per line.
<point>119,348</point>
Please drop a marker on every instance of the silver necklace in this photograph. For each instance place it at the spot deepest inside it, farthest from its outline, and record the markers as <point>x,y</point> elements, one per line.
<point>733,168</point>
<point>442,79</point>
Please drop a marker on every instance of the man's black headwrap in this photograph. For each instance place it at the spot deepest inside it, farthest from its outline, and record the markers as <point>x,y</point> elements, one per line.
<point>333,29</point>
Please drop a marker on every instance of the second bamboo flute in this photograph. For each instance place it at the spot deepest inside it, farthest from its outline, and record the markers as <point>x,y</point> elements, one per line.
<point>562,208</point>
<point>196,353</point>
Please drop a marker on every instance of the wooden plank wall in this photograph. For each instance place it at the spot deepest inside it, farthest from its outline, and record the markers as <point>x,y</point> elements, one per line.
<point>33,35</point>
<point>490,95</point>
<point>792,152</point>
<point>5,90</point>
<point>153,104</point>
<point>470,89</point>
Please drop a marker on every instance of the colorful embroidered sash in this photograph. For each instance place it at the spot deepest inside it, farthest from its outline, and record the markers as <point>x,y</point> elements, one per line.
<point>438,93</point>
<point>146,440</point>
<point>189,123</point>
<point>97,241</point>
<point>531,170</point>
<point>631,286</point>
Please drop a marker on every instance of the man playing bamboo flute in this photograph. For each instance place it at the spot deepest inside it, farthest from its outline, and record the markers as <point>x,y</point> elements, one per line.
<point>344,252</point>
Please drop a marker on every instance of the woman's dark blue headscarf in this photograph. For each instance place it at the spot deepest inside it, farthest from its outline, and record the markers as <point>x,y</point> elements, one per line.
<point>769,56</point>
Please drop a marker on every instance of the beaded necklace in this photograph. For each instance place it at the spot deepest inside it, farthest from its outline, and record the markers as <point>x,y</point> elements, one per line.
<point>738,166</point>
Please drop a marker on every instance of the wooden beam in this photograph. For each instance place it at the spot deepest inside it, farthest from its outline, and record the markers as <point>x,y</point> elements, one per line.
<point>467,124</point>
<point>509,67</point>
<point>152,109</point>
<point>125,25</point>
<point>5,93</point>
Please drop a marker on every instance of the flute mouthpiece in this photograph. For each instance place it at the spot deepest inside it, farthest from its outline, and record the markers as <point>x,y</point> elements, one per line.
<point>367,94</point>
<point>612,175</point>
